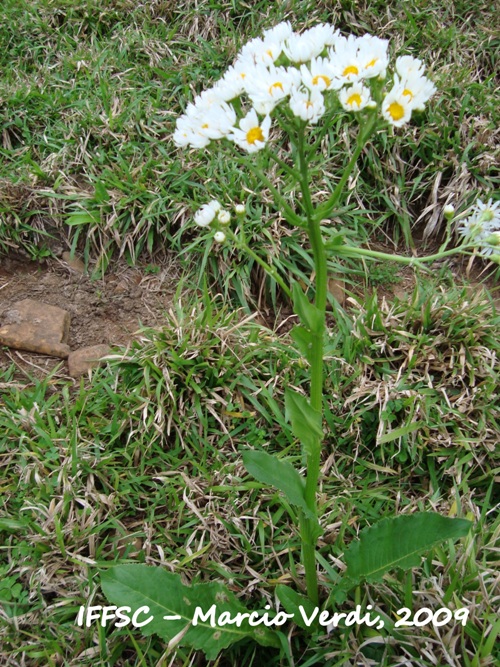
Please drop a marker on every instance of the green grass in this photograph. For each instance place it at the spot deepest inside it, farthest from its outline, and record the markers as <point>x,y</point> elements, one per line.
<point>142,463</point>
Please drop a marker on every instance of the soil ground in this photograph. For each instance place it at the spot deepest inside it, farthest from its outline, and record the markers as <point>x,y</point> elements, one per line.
<point>108,310</point>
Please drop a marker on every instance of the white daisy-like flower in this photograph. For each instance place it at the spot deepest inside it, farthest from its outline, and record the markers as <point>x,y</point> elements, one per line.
<point>204,215</point>
<point>396,107</point>
<point>324,34</point>
<point>373,56</point>
<point>262,51</point>
<point>408,65</point>
<point>301,48</point>
<point>417,88</point>
<point>483,221</point>
<point>267,87</point>
<point>308,105</point>
<point>232,83</point>
<point>219,237</point>
<point>184,134</point>
<point>215,205</point>
<point>355,97</point>
<point>279,32</point>
<point>251,135</point>
<point>344,58</point>
<point>319,75</point>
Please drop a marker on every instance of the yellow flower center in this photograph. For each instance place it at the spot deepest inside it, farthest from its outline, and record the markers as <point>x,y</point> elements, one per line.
<point>205,125</point>
<point>308,104</point>
<point>408,93</point>
<point>396,111</point>
<point>354,99</point>
<point>372,62</point>
<point>255,134</point>
<point>278,84</point>
<point>269,53</point>
<point>322,77</point>
<point>351,69</point>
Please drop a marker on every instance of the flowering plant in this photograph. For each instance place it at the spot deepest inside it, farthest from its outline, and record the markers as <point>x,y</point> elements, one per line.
<point>290,82</point>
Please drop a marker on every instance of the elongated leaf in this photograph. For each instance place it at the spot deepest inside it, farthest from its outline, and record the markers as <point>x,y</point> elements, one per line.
<point>398,542</point>
<point>164,593</point>
<point>306,422</point>
<point>309,315</point>
<point>400,432</point>
<point>294,603</point>
<point>303,340</point>
<point>278,473</point>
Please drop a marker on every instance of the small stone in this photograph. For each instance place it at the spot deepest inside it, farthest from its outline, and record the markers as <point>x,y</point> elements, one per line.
<point>73,262</point>
<point>82,360</point>
<point>336,287</point>
<point>36,327</point>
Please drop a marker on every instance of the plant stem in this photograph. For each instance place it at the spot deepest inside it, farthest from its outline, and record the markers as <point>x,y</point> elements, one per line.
<point>308,527</point>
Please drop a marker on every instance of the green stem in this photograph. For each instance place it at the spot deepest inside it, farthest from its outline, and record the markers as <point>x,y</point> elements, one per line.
<point>307,526</point>
<point>351,251</point>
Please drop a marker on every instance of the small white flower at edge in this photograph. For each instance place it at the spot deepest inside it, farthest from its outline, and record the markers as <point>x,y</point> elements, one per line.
<point>251,135</point>
<point>219,237</point>
<point>204,215</point>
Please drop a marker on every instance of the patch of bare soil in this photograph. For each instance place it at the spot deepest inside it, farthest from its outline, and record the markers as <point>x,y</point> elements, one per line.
<point>104,311</point>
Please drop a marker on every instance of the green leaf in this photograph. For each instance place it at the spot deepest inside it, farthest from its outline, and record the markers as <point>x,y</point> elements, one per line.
<point>292,602</point>
<point>400,432</point>
<point>305,421</point>
<point>309,315</point>
<point>398,542</point>
<point>303,340</point>
<point>164,593</point>
<point>278,473</point>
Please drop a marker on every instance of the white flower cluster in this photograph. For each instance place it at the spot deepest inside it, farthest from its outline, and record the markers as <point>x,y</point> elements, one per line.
<point>214,215</point>
<point>482,227</point>
<point>301,70</point>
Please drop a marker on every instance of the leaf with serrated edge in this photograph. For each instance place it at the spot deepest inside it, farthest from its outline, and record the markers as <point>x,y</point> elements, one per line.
<point>398,542</point>
<point>164,593</point>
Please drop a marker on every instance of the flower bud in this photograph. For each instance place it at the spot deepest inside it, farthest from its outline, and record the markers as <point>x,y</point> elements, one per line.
<point>240,209</point>
<point>219,237</point>
<point>494,239</point>
<point>448,211</point>
<point>224,217</point>
<point>204,216</point>
<point>215,205</point>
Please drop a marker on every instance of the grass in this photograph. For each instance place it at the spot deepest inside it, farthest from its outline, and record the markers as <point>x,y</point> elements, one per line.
<point>142,462</point>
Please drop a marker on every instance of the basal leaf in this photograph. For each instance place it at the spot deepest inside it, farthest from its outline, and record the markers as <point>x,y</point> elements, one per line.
<point>164,594</point>
<point>398,542</point>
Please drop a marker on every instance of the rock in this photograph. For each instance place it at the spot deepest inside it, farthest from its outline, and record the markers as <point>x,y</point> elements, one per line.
<point>80,361</point>
<point>36,327</point>
<point>73,262</point>
<point>336,287</point>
